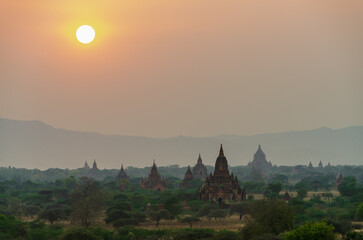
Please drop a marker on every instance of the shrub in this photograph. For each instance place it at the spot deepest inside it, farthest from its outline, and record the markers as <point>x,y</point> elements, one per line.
<point>311,231</point>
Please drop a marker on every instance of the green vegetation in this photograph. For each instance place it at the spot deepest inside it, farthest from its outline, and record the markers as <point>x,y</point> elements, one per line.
<point>62,204</point>
<point>311,231</point>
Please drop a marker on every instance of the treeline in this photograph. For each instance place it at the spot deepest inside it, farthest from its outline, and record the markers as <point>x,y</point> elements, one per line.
<point>49,208</point>
<point>293,174</point>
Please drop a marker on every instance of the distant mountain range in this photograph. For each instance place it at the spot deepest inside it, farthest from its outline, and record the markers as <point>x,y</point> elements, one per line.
<point>33,144</point>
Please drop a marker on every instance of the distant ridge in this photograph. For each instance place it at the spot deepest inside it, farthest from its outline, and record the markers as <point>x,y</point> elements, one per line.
<point>34,144</point>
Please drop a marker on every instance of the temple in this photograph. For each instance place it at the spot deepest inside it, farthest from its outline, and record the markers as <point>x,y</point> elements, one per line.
<point>199,170</point>
<point>188,177</point>
<point>310,167</point>
<point>121,175</point>
<point>86,166</point>
<point>339,180</point>
<point>154,180</point>
<point>287,196</point>
<point>259,161</point>
<point>221,185</point>
<point>94,172</point>
<point>320,165</point>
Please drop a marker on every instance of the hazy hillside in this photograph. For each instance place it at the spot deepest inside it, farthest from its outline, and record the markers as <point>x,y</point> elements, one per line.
<point>33,144</point>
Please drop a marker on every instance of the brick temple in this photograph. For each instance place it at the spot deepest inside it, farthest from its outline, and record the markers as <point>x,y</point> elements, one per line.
<point>122,174</point>
<point>221,185</point>
<point>259,161</point>
<point>188,177</point>
<point>154,181</point>
<point>199,170</point>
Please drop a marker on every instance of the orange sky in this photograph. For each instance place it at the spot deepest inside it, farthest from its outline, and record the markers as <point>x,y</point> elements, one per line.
<point>165,68</point>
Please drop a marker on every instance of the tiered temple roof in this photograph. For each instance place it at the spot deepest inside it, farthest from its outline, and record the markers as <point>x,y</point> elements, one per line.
<point>86,166</point>
<point>188,177</point>
<point>221,185</point>
<point>310,166</point>
<point>320,164</point>
<point>94,172</point>
<point>122,174</point>
<point>259,161</point>
<point>199,170</point>
<point>154,181</point>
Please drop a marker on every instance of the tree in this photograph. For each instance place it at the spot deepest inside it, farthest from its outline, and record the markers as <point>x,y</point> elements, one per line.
<point>120,214</point>
<point>354,236</point>
<point>316,184</point>
<point>205,210</point>
<point>347,187</point>
<point>10,228</point>
<point>359,213</point>
<point>79,233</point>
<point>280,178</point>
<point>302,193</point>
<point>190,220</point>
<point>217,213</point>
<point>137,198</point>
<point>311,231</point>
<point>195,205</point>
<point>173,206</point>
<point>328,195</point>
<point>87,201</point>
<point>268,217</point>
<point>273,189</point>
<point>240,208</point>
<point>341,226</point>
<point>157,215</point>
<point>31,210</point>
<point>53,212</point>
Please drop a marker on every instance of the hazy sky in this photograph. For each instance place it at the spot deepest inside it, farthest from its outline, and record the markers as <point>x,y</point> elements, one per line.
<point>199,68</point>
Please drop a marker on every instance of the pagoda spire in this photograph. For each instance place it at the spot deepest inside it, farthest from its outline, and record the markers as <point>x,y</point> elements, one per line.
<point>94,164</point>
<point>199,159</point>
<point>221,153</point>
<point>86,165</point>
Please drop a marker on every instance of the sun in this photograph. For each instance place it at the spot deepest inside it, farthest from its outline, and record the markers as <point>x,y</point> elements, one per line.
<point>85,34</point>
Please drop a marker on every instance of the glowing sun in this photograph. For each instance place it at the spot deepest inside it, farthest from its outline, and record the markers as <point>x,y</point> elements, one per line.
<point>85,34</point>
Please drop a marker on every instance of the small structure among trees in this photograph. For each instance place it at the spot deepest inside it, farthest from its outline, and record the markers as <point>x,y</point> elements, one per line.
<point>339,180</point>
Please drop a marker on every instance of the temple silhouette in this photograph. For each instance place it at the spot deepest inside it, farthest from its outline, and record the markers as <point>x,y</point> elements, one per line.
<point>259,161</point>
<point>221,185</point>
<point>154,181</point>
<point>199,170</point>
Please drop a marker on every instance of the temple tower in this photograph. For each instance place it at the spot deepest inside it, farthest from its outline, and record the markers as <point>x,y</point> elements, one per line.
<point>94,172</point>
<point>259,161</point>
<point>199,170</point>
<point>154,181</point>
<point>86,166</point>
<point>221,185</point>
<point>188,177</point>
<point>320,164</point>
<point>122,174</point>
